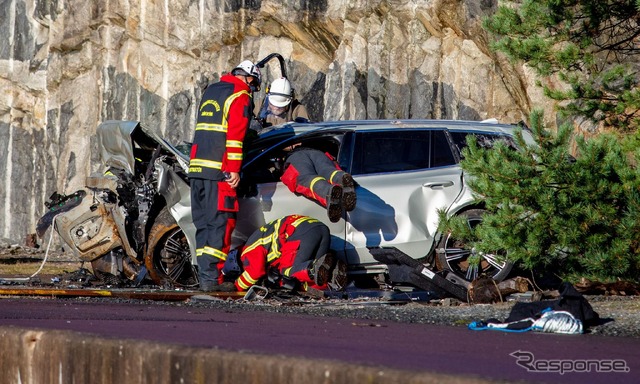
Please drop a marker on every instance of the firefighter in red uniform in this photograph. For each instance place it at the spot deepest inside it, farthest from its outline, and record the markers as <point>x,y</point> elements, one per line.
<point>317,176</point>
<point>295,247</point>
<point>214,169</point>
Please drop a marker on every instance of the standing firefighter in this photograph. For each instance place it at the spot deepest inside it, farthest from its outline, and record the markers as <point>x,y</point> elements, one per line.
<point>317,176</point>
<point>214,170</point>
<point>291,250</point>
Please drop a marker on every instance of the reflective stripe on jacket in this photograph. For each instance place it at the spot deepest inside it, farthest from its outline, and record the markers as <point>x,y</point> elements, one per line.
<point>223,119</point>
<point>264,247</point>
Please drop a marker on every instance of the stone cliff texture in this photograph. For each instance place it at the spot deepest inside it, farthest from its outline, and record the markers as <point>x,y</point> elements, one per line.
<point>65,66</point>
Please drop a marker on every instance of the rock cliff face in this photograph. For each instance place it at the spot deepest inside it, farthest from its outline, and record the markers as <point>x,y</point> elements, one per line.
<point>65,66</point>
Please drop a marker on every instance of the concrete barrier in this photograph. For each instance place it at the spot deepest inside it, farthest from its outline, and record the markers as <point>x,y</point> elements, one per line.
<point>47,357</point>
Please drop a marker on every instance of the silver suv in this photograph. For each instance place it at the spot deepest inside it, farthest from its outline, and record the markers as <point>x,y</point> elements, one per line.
<point>405,171</point>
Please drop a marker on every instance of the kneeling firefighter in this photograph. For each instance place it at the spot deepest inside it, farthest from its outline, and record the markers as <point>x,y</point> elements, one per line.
<point>293,251</point>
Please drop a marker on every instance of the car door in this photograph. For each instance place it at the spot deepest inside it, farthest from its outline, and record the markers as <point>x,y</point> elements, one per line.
<point>403,177</point>
<point>267,198</point>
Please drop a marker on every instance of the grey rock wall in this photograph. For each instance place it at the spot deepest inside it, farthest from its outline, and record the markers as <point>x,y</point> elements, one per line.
<point>65,66</point>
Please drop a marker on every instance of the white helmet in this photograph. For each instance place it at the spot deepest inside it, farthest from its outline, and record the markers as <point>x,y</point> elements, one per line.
<point>280,92</point>
<point>247,68</point>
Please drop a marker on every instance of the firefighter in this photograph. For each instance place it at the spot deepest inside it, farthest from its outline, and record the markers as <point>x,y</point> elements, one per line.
<point>281,106</point>
<point>317,176</point>
<point>294,249</point>
<point>214,169</point>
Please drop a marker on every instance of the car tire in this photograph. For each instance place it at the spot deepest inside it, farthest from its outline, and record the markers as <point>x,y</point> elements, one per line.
<point>168,256</point>
<point>452,255</point>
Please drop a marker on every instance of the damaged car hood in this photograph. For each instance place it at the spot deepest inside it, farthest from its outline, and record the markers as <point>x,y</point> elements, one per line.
<point>117,140</point>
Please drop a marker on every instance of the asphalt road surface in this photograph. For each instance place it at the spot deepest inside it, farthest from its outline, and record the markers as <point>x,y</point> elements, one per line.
<point>529,357</point>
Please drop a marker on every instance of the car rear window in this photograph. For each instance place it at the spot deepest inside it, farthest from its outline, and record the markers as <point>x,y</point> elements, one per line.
<point>484,140</point>
<point>400,150</point>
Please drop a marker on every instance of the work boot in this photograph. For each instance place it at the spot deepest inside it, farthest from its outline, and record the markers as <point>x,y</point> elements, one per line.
<point>273,276</point>
<point>339,276</point>
<point>348,192</point>
<point>320,270</point>
<point>289,283</point>
<point>334,203</point>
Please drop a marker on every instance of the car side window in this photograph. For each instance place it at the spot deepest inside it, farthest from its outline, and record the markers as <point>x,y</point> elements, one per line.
<point>400,150</point>
<point>484,140</point>
<point>267,167</point>
<point>344,155</point>
<point>441,154</point>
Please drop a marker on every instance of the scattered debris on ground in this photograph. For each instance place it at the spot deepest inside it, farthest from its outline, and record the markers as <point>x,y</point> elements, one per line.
<point>618,302</point>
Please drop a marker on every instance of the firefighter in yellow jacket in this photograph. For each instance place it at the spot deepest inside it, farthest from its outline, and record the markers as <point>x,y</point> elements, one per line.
<point>214,169</point>
<point>295,247</point>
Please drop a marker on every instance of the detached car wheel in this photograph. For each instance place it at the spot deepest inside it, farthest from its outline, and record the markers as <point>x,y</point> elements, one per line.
<point>168,258</point>
<point>453,254</point>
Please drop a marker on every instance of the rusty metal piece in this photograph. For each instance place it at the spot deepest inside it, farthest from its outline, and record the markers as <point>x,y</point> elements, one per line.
<point>621,288</point>
<point>123,294</point>
<point>314,293</point>
<point>484,290</point>
<point>517,284</point>
<point>31,240</point>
